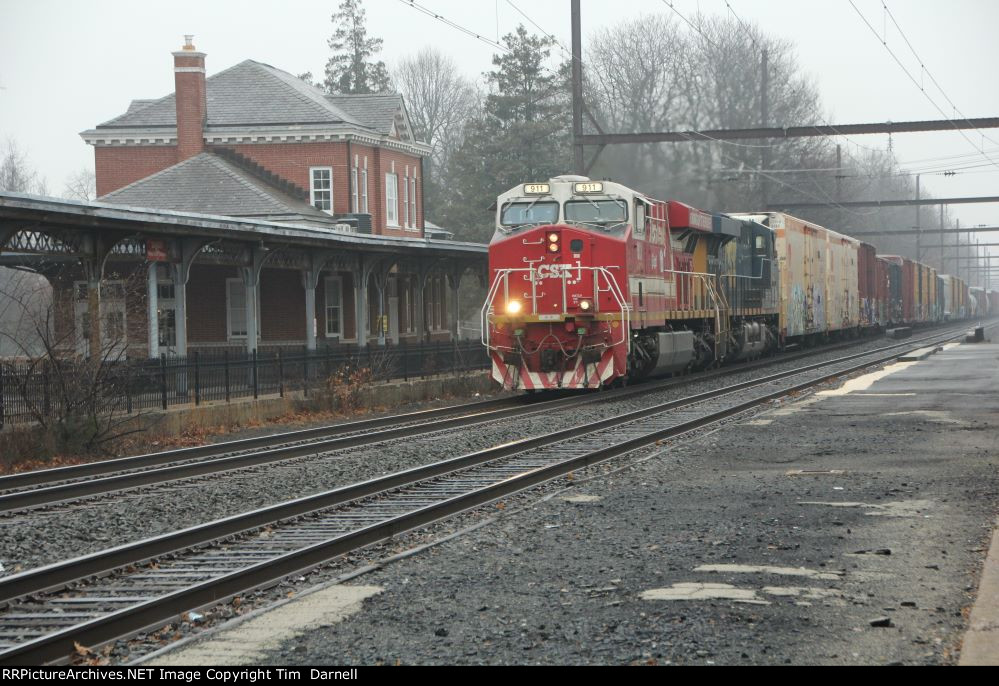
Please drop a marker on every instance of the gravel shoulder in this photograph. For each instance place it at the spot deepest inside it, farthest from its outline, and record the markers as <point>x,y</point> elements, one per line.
<point>839,529</point>
<point>97,523</point>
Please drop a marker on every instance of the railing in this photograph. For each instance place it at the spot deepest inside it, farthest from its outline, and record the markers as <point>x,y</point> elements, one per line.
<point>30,388</point>
<point>531,274</point>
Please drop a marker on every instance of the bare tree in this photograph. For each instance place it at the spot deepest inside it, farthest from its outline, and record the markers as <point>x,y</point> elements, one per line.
<point>654,74</point>
<point>639,77</point>
<point>440,102</point>
<point>82,186</point>
<point>24,298</point>
<point>438,98</point>
<point>79,397</point>
<point>16,173</point>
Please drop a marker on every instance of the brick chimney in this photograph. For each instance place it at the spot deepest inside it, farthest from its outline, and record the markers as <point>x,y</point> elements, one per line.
<point>192,103</point>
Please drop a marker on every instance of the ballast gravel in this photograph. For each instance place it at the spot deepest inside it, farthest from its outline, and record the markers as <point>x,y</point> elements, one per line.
<point>87,526</point>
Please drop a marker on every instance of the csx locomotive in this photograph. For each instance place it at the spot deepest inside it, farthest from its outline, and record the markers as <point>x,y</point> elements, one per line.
<point>592,282</point>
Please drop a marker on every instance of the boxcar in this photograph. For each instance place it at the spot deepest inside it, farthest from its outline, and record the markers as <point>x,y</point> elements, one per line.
<point>941,306</point>
<point>893,272</point>
<point>924,292</point>
<point>869,286</point>
<point>979,302</point>
<point>842,302</point>
<point>905,278</point>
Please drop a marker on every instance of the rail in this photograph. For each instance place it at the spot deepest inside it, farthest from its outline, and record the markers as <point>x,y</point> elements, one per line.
<point>341,521</point>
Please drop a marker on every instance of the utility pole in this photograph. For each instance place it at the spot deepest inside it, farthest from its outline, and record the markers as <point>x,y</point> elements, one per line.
<point>943,261</point>
<point>577,91</point>
<point>978,260</point>
<point>919,230</point>
<point>764,122</point>
<point>839,185</point>
<point>957,270</point>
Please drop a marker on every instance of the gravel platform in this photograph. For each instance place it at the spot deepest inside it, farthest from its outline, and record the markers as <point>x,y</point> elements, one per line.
<point>97,523</point>
<point>850,530</point>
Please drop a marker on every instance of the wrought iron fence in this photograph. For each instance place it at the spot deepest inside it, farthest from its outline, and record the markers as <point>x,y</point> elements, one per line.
<point>26,387</point>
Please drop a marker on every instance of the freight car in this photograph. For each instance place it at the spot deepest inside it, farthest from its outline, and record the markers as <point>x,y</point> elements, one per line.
<point>955,300</point>
<point>819,278</point>
<point>979,302</point>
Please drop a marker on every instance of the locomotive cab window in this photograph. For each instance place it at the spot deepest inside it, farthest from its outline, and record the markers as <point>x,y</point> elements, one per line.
<point>640,217</point>
<point>604,213</point>
<point>519,213</point>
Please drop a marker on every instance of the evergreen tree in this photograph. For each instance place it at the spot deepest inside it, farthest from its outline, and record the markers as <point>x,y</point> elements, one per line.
<point>351,69</point>
<point>523,135</point>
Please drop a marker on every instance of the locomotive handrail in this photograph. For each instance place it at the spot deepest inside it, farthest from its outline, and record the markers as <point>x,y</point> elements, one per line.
<point>503,278</point>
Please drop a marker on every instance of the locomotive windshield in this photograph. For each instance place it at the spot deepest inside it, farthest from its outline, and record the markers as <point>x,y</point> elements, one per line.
<point>536,212</point>
<point>602,212</point>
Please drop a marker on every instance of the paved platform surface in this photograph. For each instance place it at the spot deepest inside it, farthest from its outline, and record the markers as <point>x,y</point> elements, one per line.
<point>846,527</point>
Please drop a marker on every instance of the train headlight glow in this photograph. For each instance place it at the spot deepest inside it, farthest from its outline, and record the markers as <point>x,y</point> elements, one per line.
<point>553,245</point>
<point>513,307</point>
<point>585,305</point>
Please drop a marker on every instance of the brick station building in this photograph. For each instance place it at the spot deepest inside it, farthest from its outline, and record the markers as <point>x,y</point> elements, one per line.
<point>258,147</point>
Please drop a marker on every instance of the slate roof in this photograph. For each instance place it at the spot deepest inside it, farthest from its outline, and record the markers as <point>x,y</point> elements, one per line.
<point>208,184</point>
<point>377,111</point>
<point>253,93</point>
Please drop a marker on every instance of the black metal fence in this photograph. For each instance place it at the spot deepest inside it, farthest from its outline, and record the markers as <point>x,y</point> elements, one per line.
<point>27,388</point>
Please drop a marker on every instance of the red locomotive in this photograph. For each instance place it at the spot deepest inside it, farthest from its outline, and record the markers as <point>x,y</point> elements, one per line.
<point>592,282</point>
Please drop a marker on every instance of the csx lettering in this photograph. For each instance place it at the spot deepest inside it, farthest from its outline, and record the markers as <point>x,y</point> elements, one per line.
<point>554,271</point>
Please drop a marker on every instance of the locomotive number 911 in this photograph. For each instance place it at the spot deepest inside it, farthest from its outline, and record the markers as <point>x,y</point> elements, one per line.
<point>592,282</point>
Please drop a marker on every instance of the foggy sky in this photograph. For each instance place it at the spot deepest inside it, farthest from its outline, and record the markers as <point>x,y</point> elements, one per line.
<point>68,66</point>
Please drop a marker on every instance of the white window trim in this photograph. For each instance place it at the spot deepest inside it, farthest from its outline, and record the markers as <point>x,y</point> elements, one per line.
<point>228,321</point>
<point>412,202</point>
<point>392,213</point>
<point>353,189</point>
<point>364,187</point>
<point>326,305</point>
<point>405,200</point>
<point>312,187</point>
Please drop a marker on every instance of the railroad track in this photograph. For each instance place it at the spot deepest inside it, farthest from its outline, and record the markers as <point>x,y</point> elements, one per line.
<point>98,598</point>
<point>52,486</point>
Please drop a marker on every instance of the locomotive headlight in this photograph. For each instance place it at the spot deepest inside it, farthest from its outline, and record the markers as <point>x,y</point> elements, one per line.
<point>585,305</point>
<point>513,307</point>
<point>553,245</point>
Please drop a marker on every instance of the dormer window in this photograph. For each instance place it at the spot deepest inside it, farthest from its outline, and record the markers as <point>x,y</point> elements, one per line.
<point>321,195</point>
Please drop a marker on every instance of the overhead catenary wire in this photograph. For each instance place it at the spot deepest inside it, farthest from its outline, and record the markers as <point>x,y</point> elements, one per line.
<point>752,38</point>
<point>551,36</point>
<point>441,18</point>
<point>494,44</point>
<point>922,90</point>
<point>827,200</point>
<point>948,170</point>
<point>922,66</point>
<point>701,137</point>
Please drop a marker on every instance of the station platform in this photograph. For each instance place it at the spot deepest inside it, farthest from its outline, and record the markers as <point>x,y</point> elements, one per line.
<point>847,526</point>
